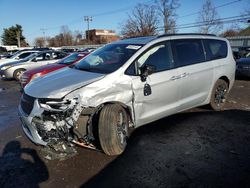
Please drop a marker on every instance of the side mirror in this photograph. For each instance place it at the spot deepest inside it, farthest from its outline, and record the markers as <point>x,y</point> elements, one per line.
<point>146,70</point>
<point>17,58</point>
<point>34,60</point>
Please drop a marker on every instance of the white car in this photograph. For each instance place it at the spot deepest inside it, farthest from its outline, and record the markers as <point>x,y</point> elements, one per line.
<point>17,56</point>
<point>126,84</point>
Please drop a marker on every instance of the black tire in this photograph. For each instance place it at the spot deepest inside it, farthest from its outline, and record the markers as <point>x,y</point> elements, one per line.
<point>18,73</point>
<point>219,95</point>
<point>113,129</point>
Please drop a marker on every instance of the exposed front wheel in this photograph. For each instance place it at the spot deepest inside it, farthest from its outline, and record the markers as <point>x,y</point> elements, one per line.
<point>219,95</point>
<point>113,129</point>
<point>18,73</point>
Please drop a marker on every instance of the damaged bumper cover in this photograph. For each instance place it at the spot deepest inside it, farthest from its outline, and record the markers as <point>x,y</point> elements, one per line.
<point>47,122</point>
<point>29,128</point>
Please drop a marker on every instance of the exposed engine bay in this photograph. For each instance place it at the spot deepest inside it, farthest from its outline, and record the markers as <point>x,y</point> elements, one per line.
<point>63,122</point>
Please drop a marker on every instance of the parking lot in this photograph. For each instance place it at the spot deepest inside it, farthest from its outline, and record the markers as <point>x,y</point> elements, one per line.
<point>197,148</point>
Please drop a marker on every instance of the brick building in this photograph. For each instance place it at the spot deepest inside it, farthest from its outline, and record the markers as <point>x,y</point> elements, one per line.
<point>102,36</point>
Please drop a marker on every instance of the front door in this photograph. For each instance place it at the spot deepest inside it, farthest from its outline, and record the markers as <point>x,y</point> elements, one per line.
<point>161,98</point>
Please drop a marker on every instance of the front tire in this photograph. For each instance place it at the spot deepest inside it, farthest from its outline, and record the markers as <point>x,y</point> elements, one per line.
<point>113,129</point>
<point>219,95</point>
<point>18,73</point>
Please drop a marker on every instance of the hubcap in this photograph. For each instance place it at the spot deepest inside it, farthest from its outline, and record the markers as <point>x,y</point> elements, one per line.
<point>220,95</point>
<point>19,74</point>
<point>122,128</point>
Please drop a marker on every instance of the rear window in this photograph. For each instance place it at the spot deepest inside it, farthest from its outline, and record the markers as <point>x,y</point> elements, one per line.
<point>215,49</point>
<point>188,51</point>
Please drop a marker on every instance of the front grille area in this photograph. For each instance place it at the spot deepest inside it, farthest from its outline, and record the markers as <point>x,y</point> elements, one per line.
<point>27,103</point>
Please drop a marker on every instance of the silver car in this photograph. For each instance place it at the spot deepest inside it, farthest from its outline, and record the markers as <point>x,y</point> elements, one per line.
<point>15,69</point>
<point>126,84</point>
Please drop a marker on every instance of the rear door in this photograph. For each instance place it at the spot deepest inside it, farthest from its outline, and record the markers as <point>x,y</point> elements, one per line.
<point>163,99</point>
<point>195,73</point>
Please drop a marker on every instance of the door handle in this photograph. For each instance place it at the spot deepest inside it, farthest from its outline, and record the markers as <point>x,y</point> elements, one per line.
<point>180,76</point>
<point>184,75</point>
<point>175,77</point>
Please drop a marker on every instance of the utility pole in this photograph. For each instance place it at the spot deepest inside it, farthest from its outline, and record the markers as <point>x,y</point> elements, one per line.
<point>18,39</point>
<point>44,38</point>
<point>88,19</point>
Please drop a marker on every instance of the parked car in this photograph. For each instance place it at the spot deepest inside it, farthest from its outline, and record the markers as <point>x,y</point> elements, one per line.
<point>126,84</point>
<point>19,55</point>
<point>40,71</point>
<point>17,68</point>
<point>243,67</point>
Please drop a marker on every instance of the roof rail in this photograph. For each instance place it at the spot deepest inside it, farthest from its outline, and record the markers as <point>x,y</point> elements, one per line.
<point>181,34</point>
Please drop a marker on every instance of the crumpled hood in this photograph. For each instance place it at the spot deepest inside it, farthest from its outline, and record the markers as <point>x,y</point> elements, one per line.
<point>59,83</point>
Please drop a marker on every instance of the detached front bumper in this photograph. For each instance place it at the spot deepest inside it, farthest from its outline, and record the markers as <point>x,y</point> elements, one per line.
<point>28,127</point>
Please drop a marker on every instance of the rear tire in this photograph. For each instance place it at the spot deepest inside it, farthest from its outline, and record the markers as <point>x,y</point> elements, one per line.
<point>113,129</point>
<point>18,73</point>
<point>219,95</point>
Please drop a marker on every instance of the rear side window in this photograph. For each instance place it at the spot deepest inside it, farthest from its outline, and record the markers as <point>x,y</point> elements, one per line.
<point>188,51</point>
<point>215,49</point>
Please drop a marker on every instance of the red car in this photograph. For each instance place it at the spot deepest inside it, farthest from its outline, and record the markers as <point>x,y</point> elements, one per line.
<point>67,61</point>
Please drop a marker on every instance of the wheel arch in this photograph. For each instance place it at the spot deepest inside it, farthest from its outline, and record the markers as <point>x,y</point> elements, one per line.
<point>226,79</point>
<point>127,108</point>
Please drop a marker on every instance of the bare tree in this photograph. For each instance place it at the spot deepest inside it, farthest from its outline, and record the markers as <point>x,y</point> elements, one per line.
<point>209,19</point>
<point>167,11</point>
<point>67,36</point>
<point>40,42</point>
<point>142,21</point>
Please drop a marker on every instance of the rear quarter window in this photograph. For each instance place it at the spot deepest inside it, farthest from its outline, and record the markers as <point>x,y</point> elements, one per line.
<point>215,49</point>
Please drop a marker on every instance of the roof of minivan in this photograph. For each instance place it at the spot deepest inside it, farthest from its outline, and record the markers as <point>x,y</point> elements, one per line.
<point>137,40</point>
<point>147,39</point>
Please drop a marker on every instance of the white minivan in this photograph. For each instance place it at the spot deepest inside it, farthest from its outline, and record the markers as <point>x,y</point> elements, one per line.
<point>126,84</point>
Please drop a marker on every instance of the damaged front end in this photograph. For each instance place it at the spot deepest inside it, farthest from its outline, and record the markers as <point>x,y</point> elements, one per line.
<point>57,123</point>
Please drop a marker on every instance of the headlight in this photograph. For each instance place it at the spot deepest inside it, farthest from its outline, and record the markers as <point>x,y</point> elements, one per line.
<point>5,67</point>
<point>35,76</point>
<point>57,105</point>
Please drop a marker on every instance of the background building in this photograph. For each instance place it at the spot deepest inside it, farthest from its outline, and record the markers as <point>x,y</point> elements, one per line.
<point>101,36</point>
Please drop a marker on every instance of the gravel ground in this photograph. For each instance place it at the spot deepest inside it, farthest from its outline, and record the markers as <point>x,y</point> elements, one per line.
<point>196,148</point>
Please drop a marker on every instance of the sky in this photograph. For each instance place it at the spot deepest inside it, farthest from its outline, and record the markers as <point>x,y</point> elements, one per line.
<point>35,15</point>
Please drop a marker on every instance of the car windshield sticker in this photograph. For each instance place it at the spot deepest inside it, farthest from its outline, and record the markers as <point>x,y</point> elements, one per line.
<point>133,47</point>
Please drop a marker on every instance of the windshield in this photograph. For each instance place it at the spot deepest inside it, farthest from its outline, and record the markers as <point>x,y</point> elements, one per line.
<point>71,59</point>
<point>108,58</point>
<point>14,54</point>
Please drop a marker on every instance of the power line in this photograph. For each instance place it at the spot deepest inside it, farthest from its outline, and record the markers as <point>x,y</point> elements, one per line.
<point>128,8</point>
<point>223,5</point>
<point>239,18</point>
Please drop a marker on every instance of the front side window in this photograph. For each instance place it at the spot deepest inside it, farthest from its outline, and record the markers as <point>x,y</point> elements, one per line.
<point>188,51</point>
<point>159,56</point>
<point>215,49</point>
<point>108,58</point>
